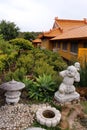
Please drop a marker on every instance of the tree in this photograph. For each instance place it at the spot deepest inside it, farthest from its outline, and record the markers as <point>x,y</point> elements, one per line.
<point>31,35</point>
<point>9,30</point>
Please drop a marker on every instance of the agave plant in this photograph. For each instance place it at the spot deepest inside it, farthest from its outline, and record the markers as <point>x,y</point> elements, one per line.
<point>45,82</point>
<point>42,89</point>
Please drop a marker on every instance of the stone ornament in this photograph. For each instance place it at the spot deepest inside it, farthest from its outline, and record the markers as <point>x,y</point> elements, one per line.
<point>67,91</point>
<point>77,65</point>
<point>13,93</point>
<point>48,116</point>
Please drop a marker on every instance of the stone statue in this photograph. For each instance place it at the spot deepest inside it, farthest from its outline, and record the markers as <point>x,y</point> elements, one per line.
<point>77,65</point>
<point>67,90</point>
<point>69,76</point>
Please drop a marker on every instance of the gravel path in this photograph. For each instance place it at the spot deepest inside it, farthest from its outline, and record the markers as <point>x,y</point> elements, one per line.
<point>17,117</point>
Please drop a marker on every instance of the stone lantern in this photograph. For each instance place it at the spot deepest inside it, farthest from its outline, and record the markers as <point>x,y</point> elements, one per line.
<point>13,93</point>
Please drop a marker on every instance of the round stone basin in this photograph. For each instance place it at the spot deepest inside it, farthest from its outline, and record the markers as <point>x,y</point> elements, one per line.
<point>12,88</point>
<point>48,116</point>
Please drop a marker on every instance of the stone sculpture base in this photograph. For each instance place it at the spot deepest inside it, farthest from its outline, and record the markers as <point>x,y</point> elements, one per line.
<point>67,97</point>
<point>12,97</point>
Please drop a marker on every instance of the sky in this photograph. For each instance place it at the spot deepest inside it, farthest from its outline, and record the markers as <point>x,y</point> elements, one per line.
<point>39,15</point>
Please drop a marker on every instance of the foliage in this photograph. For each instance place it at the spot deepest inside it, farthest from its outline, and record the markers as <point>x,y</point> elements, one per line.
<point>2,65</point>
<point>8,76</point>
<point>45,59</point>
<point>31,35</point>
<point>30,61</point>
<point>41,67</point>
<point>5,46</point>
<point>28,83</point>
<point>42,89</point>
<point>37,63</point>
<point>26,62</point>
<point>83,75</point>
<point>1,36</point>
<point>22,43</point>
<point>3,57</point>
<point>9,30</point>
<point>10,60</point>
<point>55,60</point>
<point>8,55</point>
<point>18,75</point>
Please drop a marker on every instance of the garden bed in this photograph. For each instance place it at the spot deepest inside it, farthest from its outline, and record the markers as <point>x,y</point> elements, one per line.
<point>74,116</point>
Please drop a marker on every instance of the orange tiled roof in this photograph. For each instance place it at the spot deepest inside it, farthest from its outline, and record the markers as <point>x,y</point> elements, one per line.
<point>62,25</point>
<point>40,35</point>
<point>79,32</point>
<point>67,24</point>
<point>52,33</point>
<point>37,40</point>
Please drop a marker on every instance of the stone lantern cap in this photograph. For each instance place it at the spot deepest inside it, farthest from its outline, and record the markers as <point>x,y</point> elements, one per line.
<point>12,85</point>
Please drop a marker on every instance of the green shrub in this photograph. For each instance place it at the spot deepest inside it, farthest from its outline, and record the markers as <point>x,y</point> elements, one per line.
<point>8,55</point>
<point>2,62</point>
<point>26,61</point>
<point>8,76</point>
<point>22,43</point>
<point>55,60</point>
<point>37,62</point>
<point>18,75</point>
<point>42,67</point>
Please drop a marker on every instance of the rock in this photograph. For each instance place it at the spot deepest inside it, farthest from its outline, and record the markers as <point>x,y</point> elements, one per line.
<point>18,116</point>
